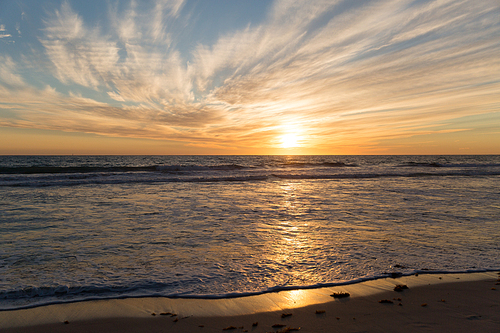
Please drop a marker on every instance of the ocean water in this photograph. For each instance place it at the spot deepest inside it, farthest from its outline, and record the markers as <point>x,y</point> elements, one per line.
<point>90,227</point>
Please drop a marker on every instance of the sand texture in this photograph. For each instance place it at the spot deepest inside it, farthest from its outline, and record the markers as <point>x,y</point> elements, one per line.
<point>424,303</point>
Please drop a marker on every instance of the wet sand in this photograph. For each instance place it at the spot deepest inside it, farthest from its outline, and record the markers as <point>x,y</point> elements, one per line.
<point>431,303</point>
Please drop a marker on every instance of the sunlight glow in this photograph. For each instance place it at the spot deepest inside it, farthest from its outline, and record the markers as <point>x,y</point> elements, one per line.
<point>289,141</point>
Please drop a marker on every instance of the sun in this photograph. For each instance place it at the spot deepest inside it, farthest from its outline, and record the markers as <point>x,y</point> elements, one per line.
<point>289,141</point>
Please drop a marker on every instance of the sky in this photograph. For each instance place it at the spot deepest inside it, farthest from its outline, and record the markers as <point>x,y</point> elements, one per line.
<point>249,77</point>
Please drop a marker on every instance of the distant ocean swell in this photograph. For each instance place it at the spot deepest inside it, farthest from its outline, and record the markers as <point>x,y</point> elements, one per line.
<point>150,168</point>
<point>81,175</point>
<point>75,180</point>
<point>229,167</point>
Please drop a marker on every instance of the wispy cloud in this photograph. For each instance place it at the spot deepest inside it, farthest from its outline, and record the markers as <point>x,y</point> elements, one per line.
<point>341,72</point>
<point>368,65</point>
<point>3,34</point>
<point>8,73</point>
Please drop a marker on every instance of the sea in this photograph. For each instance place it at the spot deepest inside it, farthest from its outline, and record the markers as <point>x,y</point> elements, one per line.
<point>76,228</point>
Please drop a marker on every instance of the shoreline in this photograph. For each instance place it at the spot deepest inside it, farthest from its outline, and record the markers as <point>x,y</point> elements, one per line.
<point>270,290</point>
<point>453,301</point>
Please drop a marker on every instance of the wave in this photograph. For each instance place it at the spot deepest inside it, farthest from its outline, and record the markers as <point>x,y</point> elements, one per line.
<point>67,171</point>
<point>73,169</point>
<point>188,168</point>
<point>173,177</point>
<point>114,169</point>
<point>417,164</point>
<point>31,297</point>
<point>96,166</point>
<point>320,164</point>
<point>30,170</point>
<point>448,165</point>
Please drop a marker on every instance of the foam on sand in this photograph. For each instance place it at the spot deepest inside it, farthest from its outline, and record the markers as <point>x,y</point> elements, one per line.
<point>432,302</point>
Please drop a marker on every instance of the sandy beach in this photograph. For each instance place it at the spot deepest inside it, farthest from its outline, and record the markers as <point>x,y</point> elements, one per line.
<point>427,302</point>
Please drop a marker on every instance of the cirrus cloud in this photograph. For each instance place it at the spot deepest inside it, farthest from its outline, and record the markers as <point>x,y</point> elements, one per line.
<point>341,72</point>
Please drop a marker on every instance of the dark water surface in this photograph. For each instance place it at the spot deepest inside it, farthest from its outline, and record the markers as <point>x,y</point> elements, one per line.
<point>87,227</point>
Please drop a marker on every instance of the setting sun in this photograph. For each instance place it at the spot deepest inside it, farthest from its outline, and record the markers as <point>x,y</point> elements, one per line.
<point>289,141</point>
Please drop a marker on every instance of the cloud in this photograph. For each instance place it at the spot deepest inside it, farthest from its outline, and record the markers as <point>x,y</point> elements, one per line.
<point>78,54</point>
<point>8,73</point>
<point>338,71</point>
<point>384,61</point>
<point>2,33</point>
<point>93,59</point>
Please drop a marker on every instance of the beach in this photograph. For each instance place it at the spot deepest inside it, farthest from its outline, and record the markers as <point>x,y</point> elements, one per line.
<point>466,302</point>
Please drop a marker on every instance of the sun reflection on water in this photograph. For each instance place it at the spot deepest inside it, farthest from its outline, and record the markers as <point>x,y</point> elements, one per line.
<point>292,238</point>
